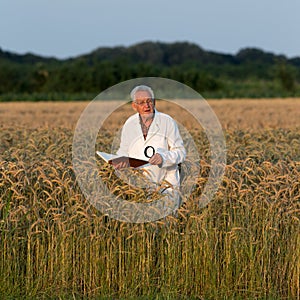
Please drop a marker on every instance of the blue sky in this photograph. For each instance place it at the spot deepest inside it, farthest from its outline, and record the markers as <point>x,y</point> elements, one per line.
<point>67,28</point>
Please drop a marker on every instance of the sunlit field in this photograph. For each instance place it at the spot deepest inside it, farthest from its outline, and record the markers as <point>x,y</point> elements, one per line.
<point>245,244</point>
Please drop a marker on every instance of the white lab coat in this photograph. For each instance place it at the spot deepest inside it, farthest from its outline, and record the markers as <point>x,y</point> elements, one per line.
<point>164,137</point>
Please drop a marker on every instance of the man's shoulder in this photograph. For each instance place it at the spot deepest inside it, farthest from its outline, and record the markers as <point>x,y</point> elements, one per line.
<point>164,116</point>
<point>131,119</point>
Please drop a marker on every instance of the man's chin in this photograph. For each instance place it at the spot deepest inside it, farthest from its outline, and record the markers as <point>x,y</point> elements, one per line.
<point>147,114</point>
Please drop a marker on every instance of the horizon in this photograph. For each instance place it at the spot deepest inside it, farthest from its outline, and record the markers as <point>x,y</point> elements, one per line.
<point>146,41</point>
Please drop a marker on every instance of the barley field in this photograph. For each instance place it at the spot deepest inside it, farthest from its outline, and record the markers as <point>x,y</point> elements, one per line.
<point>245,244</point>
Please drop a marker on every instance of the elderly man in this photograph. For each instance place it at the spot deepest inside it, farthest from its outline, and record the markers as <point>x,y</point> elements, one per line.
<point>153,136</point>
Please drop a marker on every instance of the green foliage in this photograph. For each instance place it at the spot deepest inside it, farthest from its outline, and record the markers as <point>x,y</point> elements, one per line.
<point>286,77</point>
<point>209,73</point>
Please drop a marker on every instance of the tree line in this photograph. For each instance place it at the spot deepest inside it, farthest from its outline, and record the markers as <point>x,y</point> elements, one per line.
<point>250,73</point>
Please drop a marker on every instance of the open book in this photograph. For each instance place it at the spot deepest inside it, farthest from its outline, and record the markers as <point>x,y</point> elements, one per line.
<point>115,159</point>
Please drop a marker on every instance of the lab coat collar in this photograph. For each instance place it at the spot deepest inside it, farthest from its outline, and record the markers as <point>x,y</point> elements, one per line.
<point>154,128</point>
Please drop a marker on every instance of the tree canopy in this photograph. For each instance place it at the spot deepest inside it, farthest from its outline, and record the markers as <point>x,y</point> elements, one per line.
<point>250,73</point>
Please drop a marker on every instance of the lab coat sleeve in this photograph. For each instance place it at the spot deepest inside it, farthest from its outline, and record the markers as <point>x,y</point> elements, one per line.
<point>124,143</point>
<point>176,153</point>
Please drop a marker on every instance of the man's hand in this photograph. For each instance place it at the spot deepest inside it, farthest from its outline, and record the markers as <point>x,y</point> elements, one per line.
<point>156,159</point>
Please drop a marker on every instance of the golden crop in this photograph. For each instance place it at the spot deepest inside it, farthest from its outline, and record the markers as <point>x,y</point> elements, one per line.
<point>244,244</point>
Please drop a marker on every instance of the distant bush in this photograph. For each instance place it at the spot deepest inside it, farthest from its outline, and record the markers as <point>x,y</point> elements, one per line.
<point>250,73</point>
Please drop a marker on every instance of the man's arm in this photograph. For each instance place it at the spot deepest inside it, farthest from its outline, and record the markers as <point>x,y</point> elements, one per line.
<point>176,153</point>
<point>123,149</point>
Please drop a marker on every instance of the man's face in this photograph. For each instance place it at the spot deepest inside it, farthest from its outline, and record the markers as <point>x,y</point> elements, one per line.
<point>143,104</point>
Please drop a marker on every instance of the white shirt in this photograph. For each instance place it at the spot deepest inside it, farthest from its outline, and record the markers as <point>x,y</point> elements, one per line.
<point>163,137</point>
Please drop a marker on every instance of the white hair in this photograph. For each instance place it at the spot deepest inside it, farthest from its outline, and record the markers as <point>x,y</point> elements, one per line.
<point>141,88</point>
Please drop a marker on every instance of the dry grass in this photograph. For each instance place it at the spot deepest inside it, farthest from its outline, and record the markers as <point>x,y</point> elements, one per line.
<point>233,114</point>
<point>244,245</point>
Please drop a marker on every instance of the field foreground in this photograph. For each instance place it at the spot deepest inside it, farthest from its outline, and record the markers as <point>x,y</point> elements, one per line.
<point>245,244</point>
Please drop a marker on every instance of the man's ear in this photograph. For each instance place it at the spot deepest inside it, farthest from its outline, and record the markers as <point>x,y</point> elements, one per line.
<point>133,105</point>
